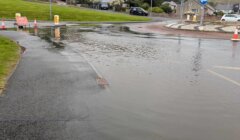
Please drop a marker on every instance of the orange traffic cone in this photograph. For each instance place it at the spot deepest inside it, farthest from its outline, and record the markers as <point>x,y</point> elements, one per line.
<point>235,35</point>
<point>35,23</point>
<point>3,25</point>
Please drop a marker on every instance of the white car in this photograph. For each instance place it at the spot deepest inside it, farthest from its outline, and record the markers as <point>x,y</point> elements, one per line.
<point>231,18</point>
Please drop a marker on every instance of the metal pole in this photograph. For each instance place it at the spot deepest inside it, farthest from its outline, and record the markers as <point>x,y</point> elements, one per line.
<point>50,9</point>
<point>239,8</point>
<point>202,15</point>
<point>181,10</point>
<point>151,9</point>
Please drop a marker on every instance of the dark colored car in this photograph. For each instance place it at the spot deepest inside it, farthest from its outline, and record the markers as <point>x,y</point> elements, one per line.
<point>138,11</point>
<point>104,6</point>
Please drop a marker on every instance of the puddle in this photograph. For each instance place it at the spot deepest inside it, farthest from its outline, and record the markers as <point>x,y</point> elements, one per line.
<point>160,83</point>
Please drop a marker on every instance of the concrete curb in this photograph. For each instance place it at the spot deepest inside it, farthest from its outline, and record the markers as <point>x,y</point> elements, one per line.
<point>206,28</point>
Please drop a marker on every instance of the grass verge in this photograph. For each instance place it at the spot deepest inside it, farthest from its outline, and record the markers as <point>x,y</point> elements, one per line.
<point>9,56</point>
<point>41,12</point>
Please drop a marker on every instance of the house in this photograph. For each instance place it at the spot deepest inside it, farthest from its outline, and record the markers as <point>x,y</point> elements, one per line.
<point>172,4</point>
<point>194,7</point>
<point>225,7</point>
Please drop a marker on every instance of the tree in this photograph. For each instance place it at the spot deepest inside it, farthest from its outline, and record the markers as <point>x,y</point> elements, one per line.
<point>145,6</point>
<point>134,3</point>
<point>117,4</point>
<point>166,8</point>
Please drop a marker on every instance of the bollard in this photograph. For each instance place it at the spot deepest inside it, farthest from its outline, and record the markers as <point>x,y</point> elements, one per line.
<point>56,19</point>
<point>57,33</point>
<point>17,15</point>
<point>35,31</point>
<point>194,18</point>
<point>35,23</point>
<point>188,17</point>
<point>3,27</point>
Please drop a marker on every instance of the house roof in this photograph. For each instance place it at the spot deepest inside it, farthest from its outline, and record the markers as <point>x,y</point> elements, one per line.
<point>207,5</point>
<point>222,6</point>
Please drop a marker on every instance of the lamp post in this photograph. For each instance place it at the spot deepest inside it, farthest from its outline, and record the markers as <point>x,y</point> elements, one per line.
<point>181,10</point>
<point>239,8</point>
<point>151,9</point>
<point>203,3</point>
<point>202,15</point>
<point>50,9</point>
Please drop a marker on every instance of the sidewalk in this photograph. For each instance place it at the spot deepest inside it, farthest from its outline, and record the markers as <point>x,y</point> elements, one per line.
<point>207,28</point>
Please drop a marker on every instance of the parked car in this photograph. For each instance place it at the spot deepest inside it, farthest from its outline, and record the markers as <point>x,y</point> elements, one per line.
<point>104,6</point>
<point>138,11</point>
<point>231,18</point>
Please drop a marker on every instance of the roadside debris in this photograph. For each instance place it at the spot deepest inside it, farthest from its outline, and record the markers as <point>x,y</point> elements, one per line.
<point>102,82</point>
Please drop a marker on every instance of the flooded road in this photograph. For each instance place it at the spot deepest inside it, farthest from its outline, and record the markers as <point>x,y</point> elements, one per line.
<point>160,87</point>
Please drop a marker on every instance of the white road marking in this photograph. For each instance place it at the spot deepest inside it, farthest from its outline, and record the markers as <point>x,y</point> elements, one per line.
<point>228,68</point>
<point>224,77</point>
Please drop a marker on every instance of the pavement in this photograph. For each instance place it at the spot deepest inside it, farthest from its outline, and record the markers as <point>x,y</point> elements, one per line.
<point>46,96</point>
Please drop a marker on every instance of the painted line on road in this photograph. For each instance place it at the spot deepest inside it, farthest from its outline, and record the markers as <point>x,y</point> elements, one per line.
<point>228,68</point>
<point>224,77</point>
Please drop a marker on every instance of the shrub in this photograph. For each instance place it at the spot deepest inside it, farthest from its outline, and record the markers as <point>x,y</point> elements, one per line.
<point>145,6</point>
<point>157,10</point>
<point>219,13</point>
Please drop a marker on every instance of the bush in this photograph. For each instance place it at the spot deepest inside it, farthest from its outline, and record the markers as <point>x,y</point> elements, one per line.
<point>166,8</point>
<point>157,10</point>
<point>145,6</point>
<point>219,13</point>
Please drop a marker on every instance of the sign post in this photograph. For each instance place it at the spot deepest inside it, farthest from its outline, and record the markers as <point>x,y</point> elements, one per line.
<point>50,9</point>
<point>151,8</point>
<point>181,10</point>
<point>203,3</point>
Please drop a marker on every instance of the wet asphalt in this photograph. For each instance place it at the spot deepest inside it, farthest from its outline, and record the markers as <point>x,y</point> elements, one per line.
<point>46,97</point>
<point>161,87</point>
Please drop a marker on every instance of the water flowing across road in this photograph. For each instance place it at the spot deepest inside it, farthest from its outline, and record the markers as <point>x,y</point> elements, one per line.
<point>160,87</point>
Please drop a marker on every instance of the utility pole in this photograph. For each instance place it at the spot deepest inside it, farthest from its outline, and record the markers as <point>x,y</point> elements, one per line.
<point>239,8</point>
<point>202,15</point>
<point>203,3</point>
<point>50,9</point>
<point>181,10</point>
<point>151,9</point>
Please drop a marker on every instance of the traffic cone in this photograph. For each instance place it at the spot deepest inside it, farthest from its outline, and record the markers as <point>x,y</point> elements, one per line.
<point>235,35</point>
<point>35,23</point>
<point>3,25</point>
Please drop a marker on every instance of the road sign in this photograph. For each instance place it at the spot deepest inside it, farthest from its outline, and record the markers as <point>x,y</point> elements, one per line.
<point>22,21</point>
<point>203,2</point>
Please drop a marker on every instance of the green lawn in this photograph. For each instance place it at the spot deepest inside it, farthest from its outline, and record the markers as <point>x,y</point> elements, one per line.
<point>41,12</point>
<point>9,55</point>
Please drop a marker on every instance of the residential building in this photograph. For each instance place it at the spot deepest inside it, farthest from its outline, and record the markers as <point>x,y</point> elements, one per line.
<point>225,7</point>
<point>194,7</point>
